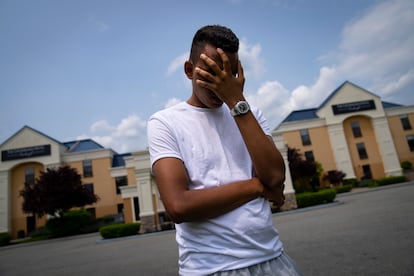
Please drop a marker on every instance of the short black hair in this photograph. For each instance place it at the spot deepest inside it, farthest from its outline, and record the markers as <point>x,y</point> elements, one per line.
<point>215,35</point>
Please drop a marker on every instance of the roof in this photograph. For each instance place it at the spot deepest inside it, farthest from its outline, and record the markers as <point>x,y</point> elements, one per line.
<point>82,145</point>
<point>79,146</point>
<point>339,88</point>
<point>299,115</point>
<point>32,129</point>
<point>308,114</point>
<point>118,160</point>
<point>389,105</point>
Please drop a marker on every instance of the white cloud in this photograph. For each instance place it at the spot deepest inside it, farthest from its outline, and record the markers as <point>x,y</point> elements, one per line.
<point>378,47</point>
<point>172,102</point>
<point>252,62</point>
<point>311,96</point>
<point>273,99</point>
<point>129,135</point>
<point>376,52</point>
<point>101,125</point>
<point>398,83</point>
<point>177,64</point>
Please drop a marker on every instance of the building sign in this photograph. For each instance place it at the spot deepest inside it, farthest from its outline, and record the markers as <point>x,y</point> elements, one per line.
<point>21,153</point>
<point>353,107</point>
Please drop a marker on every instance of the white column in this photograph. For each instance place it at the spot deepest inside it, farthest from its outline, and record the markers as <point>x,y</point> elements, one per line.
<point>340,150</point>
<point>5,211</point>
<point>386,146</point>
<point>146,206</point>
<point>282,147</point>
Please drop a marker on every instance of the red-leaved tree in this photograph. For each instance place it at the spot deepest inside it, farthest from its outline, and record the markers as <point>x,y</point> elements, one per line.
<point>55,192</point>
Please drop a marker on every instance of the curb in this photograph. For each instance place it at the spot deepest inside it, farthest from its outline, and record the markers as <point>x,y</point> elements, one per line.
<point>374,189</point>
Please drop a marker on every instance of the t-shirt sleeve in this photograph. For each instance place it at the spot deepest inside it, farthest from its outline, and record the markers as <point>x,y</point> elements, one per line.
<point>161,140</point>
<point>262,121</point>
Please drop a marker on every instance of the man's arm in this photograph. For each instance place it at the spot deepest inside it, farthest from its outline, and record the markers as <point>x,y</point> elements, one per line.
<point>184,205</point>
<point>267,160</point>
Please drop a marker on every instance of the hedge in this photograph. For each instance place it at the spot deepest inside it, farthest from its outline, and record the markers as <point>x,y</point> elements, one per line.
<point>315,198</point>
<point>390,180</point>
<point>343,189</point>
<point>350,181</point>
<point>4,238</point>
<point>119,230</point>
<point>70,223</point>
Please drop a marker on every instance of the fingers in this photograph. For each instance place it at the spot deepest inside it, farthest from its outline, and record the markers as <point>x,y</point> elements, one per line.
<point>225,60</point>
<point>216,74</point>
<point>240,72</point>
<point>205,75</point>
<point>216,70</point>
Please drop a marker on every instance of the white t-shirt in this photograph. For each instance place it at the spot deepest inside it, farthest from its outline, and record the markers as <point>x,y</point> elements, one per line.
<point>210,145</point>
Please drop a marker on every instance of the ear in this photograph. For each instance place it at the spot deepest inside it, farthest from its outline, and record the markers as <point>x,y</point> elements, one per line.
<point>188,69</point>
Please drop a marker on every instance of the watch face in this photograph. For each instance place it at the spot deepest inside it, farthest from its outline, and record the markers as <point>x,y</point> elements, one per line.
<point>243,107</point>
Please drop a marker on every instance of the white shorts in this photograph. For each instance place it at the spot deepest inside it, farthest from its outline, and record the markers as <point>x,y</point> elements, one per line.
<point>280,266</point>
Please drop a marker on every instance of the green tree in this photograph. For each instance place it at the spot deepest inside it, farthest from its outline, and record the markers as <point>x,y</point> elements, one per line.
<point>55,192</point>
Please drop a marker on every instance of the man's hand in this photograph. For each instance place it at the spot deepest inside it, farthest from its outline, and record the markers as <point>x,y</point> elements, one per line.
<point>275,195</point>
<point>226,83</point>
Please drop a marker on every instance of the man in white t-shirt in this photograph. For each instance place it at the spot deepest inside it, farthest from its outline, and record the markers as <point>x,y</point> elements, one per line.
<point>217,167</point>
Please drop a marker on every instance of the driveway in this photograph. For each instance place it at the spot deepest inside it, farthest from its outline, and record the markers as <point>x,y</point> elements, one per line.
<point>367,232</point>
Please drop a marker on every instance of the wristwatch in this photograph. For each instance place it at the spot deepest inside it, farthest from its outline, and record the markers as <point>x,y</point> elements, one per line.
<point>241,108</point>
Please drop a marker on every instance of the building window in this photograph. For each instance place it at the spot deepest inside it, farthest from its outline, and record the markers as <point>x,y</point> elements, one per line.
<point>29,176</point>
<point>89,187</point>
<point>136,208</point>
<point>309,156</point>
<point>362,151</point>
<point>356,129</point>
<point>87,168</point>
<point>30,225</point>
<point>410,141</point>
<point>119,182</point>
<point>304,135</point>
<point>405,122</point>
<point>120,208</point>
<point>367,172</point>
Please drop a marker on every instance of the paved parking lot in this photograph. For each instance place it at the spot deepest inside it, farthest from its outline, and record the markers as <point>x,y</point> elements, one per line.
<point>363,233</point>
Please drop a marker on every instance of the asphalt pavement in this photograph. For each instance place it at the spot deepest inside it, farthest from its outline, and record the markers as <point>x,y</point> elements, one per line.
<point>365,232</point>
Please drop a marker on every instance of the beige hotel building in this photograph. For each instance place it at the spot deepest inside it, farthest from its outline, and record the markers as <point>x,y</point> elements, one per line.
<point>352,131</point>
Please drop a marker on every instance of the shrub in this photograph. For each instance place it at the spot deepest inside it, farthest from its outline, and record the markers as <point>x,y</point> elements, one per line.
<point>299,187</point>
<point>70,224</point>
<point>406,165</point>
<point>95,224</point>
<point>311,199</point>
<point>368,183</point>
<point>343,189</point>
<point>39,232</point>
<point>391,180</point>
<point>119,230</point>
<point>350,181</point>
<point>5,238</point>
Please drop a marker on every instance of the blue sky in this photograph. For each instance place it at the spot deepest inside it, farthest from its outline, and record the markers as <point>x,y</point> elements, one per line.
<point>99,68</point>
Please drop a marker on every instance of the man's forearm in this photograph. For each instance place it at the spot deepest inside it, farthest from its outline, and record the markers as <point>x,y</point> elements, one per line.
<point>197,205</point>
<point>267,160</point>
